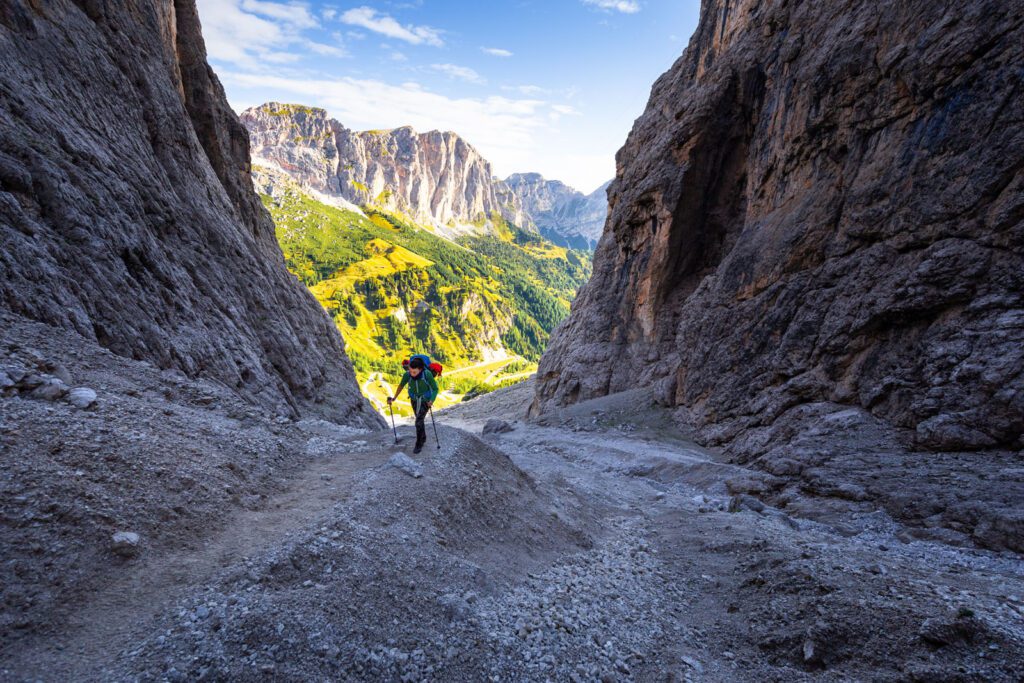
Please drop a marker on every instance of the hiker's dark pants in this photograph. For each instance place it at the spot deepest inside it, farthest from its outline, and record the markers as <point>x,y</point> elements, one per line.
<point>421,408</point>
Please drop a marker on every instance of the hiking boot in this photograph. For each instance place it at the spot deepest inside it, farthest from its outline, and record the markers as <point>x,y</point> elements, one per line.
<point>417,448</point>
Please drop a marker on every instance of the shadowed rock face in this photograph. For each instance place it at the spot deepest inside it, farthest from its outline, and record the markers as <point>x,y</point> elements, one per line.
<point>434,177</point>
<point>127,214</point>
<point>823,202</point>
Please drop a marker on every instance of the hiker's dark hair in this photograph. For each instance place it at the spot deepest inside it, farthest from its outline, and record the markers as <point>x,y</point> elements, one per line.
<point>416,363</point>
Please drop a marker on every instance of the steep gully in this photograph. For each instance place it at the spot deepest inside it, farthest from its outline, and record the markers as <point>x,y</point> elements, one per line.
<point>652,570</point>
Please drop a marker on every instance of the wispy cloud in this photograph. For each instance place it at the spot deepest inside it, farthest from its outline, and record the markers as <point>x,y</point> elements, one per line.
<point>624,6</point>
<point>496,51</point>
<point>248,33</point>
<point>463,73</point>
<point>294,13</point>
<point>528,90</point>
<point>370,19</point>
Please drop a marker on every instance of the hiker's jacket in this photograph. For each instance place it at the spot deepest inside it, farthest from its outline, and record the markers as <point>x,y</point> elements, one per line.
<point>423,387</point>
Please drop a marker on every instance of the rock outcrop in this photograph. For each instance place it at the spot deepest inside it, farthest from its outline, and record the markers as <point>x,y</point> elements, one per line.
<point>823,203</point>
<point>434,177</point>
<point>562,214</point>
<point>127,214</point>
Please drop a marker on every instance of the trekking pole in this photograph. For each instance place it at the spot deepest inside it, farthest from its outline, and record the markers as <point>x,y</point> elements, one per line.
<point>431,409</point>
<point>393,427</point>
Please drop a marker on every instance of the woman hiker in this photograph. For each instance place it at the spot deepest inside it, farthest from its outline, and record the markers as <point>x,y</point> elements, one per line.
<point>422,392</point>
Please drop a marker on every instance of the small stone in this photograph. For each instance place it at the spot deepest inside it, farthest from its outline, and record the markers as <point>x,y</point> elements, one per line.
<point>693,664</point>
<point>125,543</point>
<point>202,611</point>
<point>455,607</point>
<point>406,464</point>
<point>81,397</point>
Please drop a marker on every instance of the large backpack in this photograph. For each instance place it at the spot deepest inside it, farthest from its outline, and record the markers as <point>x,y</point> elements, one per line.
<point>435,368</point>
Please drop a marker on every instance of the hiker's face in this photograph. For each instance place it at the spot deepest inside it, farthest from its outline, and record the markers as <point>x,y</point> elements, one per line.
<point>415,372</point>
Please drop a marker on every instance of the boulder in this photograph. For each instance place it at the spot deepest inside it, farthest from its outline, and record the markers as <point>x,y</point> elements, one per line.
<point>496,426</point>
<point>51,389</point>
<point>81,397</point>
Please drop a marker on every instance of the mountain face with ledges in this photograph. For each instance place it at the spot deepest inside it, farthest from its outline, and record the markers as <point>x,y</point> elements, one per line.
<point>562,214</point>
<point>822,205</point>
<point>435,177</point>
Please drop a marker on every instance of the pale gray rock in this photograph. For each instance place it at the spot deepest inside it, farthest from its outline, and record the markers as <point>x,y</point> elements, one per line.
<point>403,462</point>
<point>81,397</point>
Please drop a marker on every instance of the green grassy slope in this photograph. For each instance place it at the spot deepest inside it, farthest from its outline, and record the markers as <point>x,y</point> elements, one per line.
<point>394,288</point>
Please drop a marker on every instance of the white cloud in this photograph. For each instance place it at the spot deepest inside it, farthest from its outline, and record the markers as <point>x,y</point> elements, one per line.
<point>368,18</point>
<point>528,90</point>
<point>329,13</point>
<point>624,6</point>
<point>564,109</point>
<point>496,52</point>
<point>326,50</point>
<point>463,73</point>
<point>399,56</point>
<point>248,33</point>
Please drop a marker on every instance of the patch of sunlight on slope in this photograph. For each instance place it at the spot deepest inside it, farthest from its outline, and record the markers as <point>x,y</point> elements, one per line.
<point>387,259</point>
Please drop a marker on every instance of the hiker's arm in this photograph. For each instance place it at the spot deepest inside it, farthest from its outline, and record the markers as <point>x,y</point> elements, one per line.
<point>401,385</point>
<point>433,388</point>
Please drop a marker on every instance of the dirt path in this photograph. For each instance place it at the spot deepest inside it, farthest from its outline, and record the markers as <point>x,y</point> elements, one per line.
<point>110,619</point>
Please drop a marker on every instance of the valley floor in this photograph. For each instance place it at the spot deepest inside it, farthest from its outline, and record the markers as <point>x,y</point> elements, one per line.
<point>596,545</point>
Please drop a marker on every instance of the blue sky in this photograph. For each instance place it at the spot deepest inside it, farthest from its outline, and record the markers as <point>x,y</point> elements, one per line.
<point>548,86</point>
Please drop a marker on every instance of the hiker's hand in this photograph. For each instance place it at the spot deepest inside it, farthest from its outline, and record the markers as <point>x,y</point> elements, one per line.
<point>390,399</point>
<point>430,404</point>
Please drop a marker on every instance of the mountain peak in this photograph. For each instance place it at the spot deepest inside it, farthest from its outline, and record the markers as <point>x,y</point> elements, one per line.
<point>435,177</point>
<point>561,213</point>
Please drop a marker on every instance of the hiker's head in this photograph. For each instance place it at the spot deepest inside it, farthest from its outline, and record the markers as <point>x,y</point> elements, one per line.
<point>415,367</point>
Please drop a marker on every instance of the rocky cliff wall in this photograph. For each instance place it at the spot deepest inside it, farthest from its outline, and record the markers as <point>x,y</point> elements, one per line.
<point>127,214</point>
<point>822,203</point>
<point>434,177</point>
